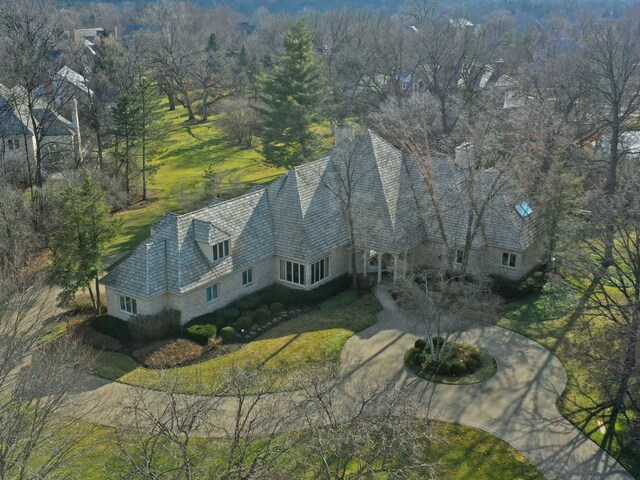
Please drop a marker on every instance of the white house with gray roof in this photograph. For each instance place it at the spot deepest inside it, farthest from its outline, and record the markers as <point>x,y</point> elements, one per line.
<point>300,230</point>
<point>59,137</point>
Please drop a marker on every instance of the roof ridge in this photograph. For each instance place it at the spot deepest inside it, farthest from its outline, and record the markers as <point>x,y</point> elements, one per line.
<point>223,202</point>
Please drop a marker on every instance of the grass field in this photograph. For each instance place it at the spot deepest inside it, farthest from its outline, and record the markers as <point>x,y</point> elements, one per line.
<point>185,153</point>
<point>544,319</point>
<point>459,453</point>
<point>315,337</point>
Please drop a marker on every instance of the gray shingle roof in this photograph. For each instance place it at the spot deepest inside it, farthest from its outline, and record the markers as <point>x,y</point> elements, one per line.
<point>301,216</point>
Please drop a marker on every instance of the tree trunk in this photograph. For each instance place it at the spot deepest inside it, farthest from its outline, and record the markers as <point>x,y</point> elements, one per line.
<point>144,150</point>
<point>93,300</point>
<point>187,104</point>
<point>629,367</point>
<point>98,305</point>
<point>205,108</point>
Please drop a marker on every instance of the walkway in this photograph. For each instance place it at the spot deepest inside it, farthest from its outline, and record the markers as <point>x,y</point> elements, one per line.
<point>517,404</point>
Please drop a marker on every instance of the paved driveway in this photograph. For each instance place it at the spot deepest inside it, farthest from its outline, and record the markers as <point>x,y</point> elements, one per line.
<point>517,404</point>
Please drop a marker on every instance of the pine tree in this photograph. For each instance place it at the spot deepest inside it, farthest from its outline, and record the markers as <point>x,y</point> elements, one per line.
<point>80,245</point>
<point>291,97</point>
<point>212,44</point>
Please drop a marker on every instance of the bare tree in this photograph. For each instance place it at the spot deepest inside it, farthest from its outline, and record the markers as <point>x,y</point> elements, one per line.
<point>444,303</point>
<point>175,50</point>
<point>371,428</point>
<point>30,33</point>
<point>613,308</point>
<point>157,433</point>
<point>255,439</point>
<point>240,121</point>
<point>37,439</point>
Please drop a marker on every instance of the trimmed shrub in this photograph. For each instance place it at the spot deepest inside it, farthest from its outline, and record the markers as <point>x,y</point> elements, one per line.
<point>200,333</point>
<point>457,368</point>
<point>441,369</point>
<point>249,302</point>
<point>416,357</point>
<point>472,365</point>
<point>112,326</point>
<point>229,334</point>
<point>243,323</point>
<point>476,356</point>
<point>145,328</point>
<point>227,315</point>
<point>515,290</point>
<point>420,344</point>
<point>277,308</point>
<point>168,354</point>
<point>291,297</point>
<point>261,315</point>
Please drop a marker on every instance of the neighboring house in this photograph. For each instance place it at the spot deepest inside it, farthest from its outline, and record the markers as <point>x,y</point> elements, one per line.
<point>18,142</point>
<point>65,85</point>
<point>294,232</point>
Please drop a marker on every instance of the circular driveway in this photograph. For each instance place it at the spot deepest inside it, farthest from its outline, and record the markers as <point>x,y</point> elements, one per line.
<point>517,404</point>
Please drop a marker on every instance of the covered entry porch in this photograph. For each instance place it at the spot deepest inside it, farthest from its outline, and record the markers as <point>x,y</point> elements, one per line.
<point>374,263</point>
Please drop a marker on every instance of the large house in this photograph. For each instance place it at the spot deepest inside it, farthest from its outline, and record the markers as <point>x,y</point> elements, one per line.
<point>301,230</point>
<point>59,137</point>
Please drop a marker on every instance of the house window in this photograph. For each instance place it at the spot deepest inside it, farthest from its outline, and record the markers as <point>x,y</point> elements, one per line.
<point>509,260</point>
<point>247,277</point>
<point>128,304</point>
<point>211,293</point>
<point>292,272</point>
<point>220,250</point>
<point>459,257</point>
<point>319,270</point>
<point>13,143</point>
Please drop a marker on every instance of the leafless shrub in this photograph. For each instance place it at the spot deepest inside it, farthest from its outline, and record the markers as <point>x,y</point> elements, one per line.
<point>168,353</point>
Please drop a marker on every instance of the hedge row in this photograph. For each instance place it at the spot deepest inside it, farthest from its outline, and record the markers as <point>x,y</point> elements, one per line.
<point>515,290</point>
<point>276,295</point>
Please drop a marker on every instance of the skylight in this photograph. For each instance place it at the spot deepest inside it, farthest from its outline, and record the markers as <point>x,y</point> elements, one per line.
<point>523,209</point>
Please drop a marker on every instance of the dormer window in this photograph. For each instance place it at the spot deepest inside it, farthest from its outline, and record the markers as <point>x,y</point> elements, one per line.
<point>220,250</point>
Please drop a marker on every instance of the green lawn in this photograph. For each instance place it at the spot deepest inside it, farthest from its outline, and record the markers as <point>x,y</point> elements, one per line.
<point>184,155</point>
<point>460,453</point>
<point>469,453</point>
<point>315,337</point>
<point>543,320</point>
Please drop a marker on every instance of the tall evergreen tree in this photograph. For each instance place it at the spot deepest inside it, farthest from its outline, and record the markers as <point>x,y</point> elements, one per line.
<point>291,96</point>
<point>80,245</point>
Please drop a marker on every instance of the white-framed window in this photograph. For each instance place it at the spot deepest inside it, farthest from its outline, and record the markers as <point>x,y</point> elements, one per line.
<point>128,304</point>
<point>459,257</point>
<point>13,143</point>
<point>220,250</point>
<point>247,277</point>
<point>319,270</point>
<point>292,272</point>
<point>211,293</point>
<point>509,260</point>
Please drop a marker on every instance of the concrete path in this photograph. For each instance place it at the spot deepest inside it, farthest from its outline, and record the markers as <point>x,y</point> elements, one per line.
<point>517,404</point>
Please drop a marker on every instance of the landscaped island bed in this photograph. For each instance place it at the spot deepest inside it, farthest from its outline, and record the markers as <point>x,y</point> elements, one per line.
<point>466,365</point>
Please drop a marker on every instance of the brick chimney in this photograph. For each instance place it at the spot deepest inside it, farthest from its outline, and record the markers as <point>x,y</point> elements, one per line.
<point>76,126</point>
<point>342,133</point>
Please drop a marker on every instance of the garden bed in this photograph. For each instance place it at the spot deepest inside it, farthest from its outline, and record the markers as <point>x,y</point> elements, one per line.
<point>280,354</point>
<point>465,365</point>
